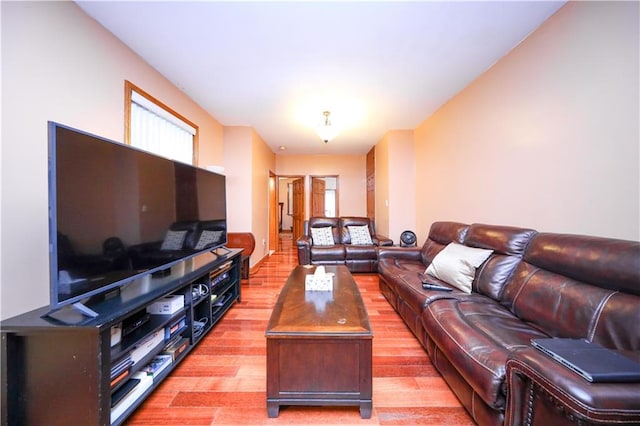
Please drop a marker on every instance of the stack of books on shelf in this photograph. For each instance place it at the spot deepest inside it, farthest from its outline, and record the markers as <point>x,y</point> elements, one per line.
<point>220,301</point>
<point>157,365</point>
<point>220,278</point>
<point>120,370</point>
<point>175,327</point>
<point>147,345</point>
<point>125,396</point>
<point>176,346</point>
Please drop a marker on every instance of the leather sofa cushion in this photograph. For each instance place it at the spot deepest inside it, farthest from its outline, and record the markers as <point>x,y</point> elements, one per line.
<point>476,335</point>
<point>360,235</point>
<point>322,236</point>
<point>508,244</point>
<point>322,222</point>
<point>328,253</point>
<point>346,221</point>
<point>494,274</point>
<point>556,272</point>
<point>360,252</point>
<point>361,265</point>
<point>395,261</point>
<point>508,240</point>
<point>580,310</point>
<point>441,234</point>
<point>446,232</point>
<point>618,324</point>
<point>605,262</point>
<point>409,288</point>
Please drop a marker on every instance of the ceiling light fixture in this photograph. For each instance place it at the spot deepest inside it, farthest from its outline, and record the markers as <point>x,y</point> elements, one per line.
<point>325,129</point>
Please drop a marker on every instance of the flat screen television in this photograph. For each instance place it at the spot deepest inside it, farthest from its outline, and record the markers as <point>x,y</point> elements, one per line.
<point>117,213</point>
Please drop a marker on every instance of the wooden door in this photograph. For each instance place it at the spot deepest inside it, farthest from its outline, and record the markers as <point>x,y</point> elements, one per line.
<point>318,189</point>
<point>371,183</point>
<point>298,208</point>
<point>273,213</point>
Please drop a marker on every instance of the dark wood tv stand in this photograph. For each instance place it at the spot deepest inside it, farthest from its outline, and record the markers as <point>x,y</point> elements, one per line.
<point>59,369</point>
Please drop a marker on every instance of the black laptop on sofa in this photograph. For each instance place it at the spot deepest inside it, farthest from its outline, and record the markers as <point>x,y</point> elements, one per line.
<point>590,360</point>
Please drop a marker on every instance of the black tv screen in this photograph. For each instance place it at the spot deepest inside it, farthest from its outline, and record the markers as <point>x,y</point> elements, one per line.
<point>117,213</point>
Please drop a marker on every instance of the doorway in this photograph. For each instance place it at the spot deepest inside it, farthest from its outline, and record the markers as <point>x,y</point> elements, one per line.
<point>273,213</point>
<point>291,212</point>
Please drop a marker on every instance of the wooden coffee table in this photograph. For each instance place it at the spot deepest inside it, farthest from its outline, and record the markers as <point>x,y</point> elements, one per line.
<point>319,345</point>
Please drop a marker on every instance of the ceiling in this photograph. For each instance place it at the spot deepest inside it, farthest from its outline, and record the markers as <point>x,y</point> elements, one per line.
<point>276,66</point>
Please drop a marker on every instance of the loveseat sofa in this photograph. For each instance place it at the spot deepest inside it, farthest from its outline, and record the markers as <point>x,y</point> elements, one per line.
<point>531,285</point>
<point>335,243</point>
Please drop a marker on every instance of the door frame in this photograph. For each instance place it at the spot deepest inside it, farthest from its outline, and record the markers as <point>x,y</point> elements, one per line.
<point>278,197</point>
<point>273,212</point>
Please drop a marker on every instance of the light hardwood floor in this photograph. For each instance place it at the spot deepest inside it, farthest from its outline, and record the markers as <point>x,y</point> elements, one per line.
<point>223,380</point>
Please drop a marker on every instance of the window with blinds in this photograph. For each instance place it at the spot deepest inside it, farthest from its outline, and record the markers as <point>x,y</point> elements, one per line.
<point>154,127</point>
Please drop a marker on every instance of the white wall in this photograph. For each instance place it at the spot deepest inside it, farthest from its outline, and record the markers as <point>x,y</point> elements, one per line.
<point>237,163</point>
<point>402,173</point>
<point>395,184</point>
<point>247,161</point>
<point>58,64</point>
<point>547,138</point>
<point>263,162</point>
<point>382,187</point>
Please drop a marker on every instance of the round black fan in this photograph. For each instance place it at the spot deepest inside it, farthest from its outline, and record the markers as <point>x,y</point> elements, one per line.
<point>407,239</point>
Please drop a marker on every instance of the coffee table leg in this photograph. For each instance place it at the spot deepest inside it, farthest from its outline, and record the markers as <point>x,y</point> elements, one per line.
<point>272,409</point>
<point>365,410</point>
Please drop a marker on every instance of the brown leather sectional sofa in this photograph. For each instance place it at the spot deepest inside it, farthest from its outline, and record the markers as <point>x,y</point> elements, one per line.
<point>356,257</point>
<point>533,285</point>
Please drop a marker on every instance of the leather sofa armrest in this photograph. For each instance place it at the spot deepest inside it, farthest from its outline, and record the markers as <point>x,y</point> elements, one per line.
<point>381,241</point>
<point>541,391</point>
<point>304,241</point>
<point>304,249</point>
<point>399,253</point>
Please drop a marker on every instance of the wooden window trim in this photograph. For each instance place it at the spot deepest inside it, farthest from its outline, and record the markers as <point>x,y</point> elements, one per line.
<point>128,89</point>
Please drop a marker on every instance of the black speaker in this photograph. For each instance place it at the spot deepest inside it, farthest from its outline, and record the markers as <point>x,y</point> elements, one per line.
<point>408,239</point>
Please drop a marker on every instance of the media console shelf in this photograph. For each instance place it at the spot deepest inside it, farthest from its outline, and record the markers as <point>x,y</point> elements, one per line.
<point>72,369</point>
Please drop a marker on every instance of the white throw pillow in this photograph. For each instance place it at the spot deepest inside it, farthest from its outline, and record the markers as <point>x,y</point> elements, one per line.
<point>173,240</point>
<point>322,236</point>
<point>207,238</point>
<point>456,265</point>
<point>360,235</point>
